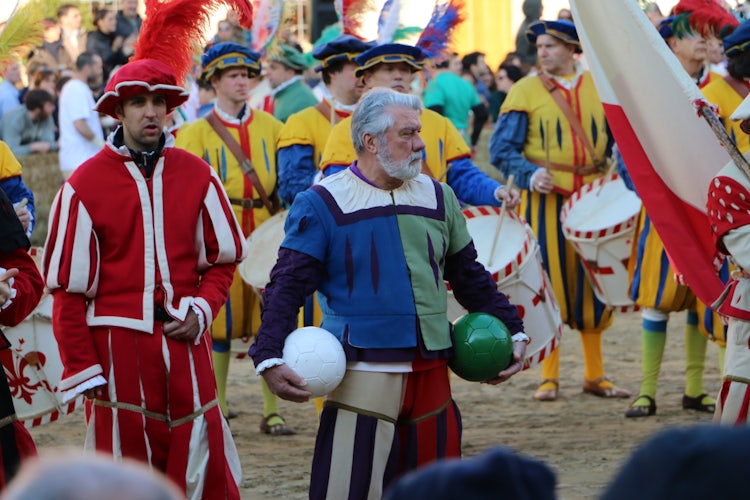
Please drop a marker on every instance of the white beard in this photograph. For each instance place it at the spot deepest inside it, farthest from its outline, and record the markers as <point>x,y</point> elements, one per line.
<point>403,170</point>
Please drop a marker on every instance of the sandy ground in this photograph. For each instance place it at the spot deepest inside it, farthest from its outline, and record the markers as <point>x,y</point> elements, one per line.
<point>583,438</point>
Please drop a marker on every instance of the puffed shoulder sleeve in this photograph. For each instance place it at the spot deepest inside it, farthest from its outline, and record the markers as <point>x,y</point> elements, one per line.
<point>71,255</point>
<point>219,238</point>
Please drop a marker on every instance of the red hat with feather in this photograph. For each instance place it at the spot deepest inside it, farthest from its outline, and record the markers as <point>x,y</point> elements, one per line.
<point>164,52</point>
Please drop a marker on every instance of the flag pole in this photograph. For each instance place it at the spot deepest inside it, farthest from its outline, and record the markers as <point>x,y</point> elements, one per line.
<point>707,112</point>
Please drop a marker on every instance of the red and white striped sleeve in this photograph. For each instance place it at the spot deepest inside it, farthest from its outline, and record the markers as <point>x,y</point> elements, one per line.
<point>221,245</point>
<point>70,269</point>
<point>71,252</point>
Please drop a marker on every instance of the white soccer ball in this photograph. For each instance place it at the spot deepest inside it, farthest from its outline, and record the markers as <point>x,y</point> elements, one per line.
<point>317,356</point>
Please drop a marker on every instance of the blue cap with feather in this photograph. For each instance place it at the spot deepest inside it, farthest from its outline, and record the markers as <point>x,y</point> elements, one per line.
<point>739,41</point>
<point>229,55</point>
<point>341,49</point>
<point>390,53</point>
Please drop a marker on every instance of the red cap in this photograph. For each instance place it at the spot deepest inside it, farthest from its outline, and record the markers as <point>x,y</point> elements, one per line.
<point>144,76</point>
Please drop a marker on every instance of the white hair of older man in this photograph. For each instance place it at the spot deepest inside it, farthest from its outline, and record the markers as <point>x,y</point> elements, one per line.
<point>371,115</point>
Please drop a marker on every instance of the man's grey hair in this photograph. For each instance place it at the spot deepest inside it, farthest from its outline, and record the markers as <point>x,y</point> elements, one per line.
<point>372,117</point>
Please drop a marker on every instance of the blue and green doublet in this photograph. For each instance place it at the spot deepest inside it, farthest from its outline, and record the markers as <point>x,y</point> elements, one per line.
<point>368,237</point>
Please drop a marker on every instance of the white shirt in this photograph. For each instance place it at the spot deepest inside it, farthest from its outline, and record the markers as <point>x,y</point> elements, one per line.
<point>77,102</point>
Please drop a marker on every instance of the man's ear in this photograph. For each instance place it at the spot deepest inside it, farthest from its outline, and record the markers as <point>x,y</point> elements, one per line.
<point>371,143</point>
<point>118,111</point>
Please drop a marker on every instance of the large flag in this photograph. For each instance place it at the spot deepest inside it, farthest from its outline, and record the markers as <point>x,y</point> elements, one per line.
<point>670,152</point>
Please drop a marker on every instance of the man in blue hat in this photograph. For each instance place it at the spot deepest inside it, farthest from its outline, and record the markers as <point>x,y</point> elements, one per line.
<point>549,171</point>
<point>289,92</point>
<point>305,133</point>
<point>240,144</point>
<point>446,155</point>
<point>728,92</point>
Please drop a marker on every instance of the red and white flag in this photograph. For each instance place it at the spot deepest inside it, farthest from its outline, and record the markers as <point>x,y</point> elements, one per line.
<point>671,153</point>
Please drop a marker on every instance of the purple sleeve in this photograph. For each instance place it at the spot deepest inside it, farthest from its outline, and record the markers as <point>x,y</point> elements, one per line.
<point>475,289</point>
<point>295,276</point>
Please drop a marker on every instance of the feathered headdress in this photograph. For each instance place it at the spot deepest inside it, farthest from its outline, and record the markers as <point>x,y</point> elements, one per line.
<point>436,36</point>
<point>706,17</point>
<point>164,56</point>
<point>266,24</point>
<point>22,32</point>
<point>357,17</point>
<point>171,26</point>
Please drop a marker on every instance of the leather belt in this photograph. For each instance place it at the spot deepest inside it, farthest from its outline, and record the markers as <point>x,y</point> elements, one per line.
<point>247,203</point>
<point>161,314</point>
<point>571,169</point>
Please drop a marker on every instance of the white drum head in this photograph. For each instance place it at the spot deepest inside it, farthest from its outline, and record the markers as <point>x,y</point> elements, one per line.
<point>602,207</point>
<point>263,249</point>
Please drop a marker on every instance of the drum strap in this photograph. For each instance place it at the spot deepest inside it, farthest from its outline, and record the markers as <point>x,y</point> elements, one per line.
<point>738,85</point>
<point>575,123</point>
<point>272,203</point>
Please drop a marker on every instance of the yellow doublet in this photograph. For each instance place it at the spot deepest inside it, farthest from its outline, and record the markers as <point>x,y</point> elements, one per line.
<point>9,165</point>
<point>306,128</point>
<point>257,135</point>
<point>443,144</point>
<point>548,123</point>
<point>579,307</point>
<point>720,93</point>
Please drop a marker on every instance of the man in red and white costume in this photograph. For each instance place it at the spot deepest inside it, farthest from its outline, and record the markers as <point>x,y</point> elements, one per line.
<point>141,251</point>
<point>728,210</point>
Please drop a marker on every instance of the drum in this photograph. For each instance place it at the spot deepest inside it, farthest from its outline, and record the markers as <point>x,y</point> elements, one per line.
<point>600,221</point>
<point>263,249</point>
<point>516,267</point>
<point>34,369</point>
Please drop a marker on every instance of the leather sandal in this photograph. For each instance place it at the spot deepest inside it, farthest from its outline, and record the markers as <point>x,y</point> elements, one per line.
<point>636,411</point>
<point>280,429</point>
<point>547,394</point>
<point>697,403</point>
<point>595,387</point>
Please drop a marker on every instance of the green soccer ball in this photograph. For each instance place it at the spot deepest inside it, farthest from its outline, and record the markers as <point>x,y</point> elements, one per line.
<point>483,347</point>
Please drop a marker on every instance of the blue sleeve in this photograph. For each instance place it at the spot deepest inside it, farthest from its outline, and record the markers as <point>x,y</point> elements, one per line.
<point>16,191</point>
<point>622,169</point>
<point>506,145</point>
<point>334,169</point>
<point>470,184</point>
<point>296,170</point>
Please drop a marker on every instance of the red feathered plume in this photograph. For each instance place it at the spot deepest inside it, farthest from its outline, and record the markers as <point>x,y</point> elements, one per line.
<point>354,16</point>
<point>707,17</point>
<point>172,27</point>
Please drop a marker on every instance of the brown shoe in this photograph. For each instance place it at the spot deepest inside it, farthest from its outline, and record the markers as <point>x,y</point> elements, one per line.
<point>604,388</point>
<point>279,429</point>
<point>547,394</point>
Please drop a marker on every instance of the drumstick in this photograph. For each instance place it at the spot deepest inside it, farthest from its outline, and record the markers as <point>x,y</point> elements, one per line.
<point>610,170</point>
<point>503,210</point>
<point>21,204</point>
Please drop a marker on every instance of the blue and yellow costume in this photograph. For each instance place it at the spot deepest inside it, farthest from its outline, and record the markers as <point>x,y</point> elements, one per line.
<point>12,183</point>
<point>305,133</point>
<point>531,128</point>
<point>256,132</point>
